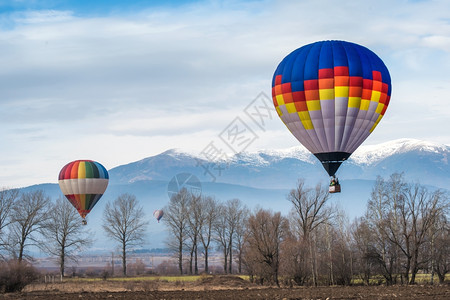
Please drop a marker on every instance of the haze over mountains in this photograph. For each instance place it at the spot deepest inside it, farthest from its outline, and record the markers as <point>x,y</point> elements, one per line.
<point>264,178</point>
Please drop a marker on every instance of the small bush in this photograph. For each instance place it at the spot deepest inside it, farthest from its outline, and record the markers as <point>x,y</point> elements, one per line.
<point>14,276</point>
<point>93,272</point>
<point>166,268</point>
<point>105,274</point>
<point>130,285</point>
<point>150,285</point>
<point>179,283</point>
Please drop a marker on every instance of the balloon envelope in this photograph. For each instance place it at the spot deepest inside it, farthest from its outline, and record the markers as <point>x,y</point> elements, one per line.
<point>331,95</point>
<point>158,214</point>
<point>83,182</point>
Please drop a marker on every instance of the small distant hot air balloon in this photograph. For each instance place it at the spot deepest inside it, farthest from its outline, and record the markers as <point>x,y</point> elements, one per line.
<point>158,214</point>
<point>83,182</point>
<point>331,95</point>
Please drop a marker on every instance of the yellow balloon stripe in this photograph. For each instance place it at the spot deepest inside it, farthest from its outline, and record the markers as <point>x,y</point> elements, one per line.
<point>376,122</point>
<point>326,94</point>
<point>280,99</point>
<point>375,96</point>
<point>306,120</point>
<point>278,111</point>
<point>83,201</point>
<point>354,102</point>
<point>364,104</point>
<point>313,105</point>
<point>379,109</point>
<point>341,91</point>
<point>290,107</point>
<point>82,170</point>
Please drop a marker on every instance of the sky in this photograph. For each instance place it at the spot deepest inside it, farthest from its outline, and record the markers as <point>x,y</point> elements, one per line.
<point>119,81</point>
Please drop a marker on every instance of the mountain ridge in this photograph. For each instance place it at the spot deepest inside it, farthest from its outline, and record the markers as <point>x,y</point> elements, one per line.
<point>365,163</point>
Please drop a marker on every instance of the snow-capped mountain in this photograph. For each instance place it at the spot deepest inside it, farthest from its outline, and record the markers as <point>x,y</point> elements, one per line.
<point>420,161</point>
<point>372,154</point>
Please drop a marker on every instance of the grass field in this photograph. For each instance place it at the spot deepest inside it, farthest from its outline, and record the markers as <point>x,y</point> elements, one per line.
<point>420,279</point>
<point>184,278</point>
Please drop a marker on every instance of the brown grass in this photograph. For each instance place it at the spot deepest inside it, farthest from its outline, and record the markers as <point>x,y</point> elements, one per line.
<point>139,284</point>
<point>218,287</point>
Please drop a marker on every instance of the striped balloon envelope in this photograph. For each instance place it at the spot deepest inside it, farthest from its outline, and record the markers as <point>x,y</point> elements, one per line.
<point>83,182</point>
<point>158,214</point>
<point>331,95</point>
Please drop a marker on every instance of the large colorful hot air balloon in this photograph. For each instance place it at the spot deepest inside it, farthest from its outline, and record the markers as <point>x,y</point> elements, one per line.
<point>83,182</point>
<point>331,95</point>
<point>158,214</point>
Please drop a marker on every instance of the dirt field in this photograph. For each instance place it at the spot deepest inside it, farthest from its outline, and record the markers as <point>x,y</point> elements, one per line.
<point>220,287</point>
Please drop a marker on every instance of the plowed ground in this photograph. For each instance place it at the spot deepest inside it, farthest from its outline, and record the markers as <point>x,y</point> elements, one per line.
<point>220,287</point>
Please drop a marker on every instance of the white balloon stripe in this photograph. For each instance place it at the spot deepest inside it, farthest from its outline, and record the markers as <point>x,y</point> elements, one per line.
<point>84,186</point>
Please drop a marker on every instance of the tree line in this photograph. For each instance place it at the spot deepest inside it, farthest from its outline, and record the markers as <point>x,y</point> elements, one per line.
<point>404,231</point>
<point>32,219</point>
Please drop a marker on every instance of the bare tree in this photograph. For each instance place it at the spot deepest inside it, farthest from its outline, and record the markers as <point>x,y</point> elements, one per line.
<point>7,199</point>
<point>240,235</point>
<point>235,219</point>
<point>221,234</point>
<point>404,214</point>
<point>294,260</point>
<point>230,216</point>
<point>266,231</point>
<point>209,214</point>
<point>394,219</point>
<point>425,209</point>
<point>123,220</point>
<point>382,252</point>
<point>195,221</point>
<point>309,211</point>
<point>338,250</point>
<point>176,218</point>
<point>27,218</point>
<point>363,241</point>
<point>440,249</point>
<point>64,233</point>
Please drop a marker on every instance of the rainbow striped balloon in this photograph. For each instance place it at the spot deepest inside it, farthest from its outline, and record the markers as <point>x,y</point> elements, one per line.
<point>83,182</point>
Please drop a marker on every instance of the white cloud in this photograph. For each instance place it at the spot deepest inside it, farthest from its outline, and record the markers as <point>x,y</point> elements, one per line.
<point>42,16</point>
<point>438,41</point>
<point>136,84</point>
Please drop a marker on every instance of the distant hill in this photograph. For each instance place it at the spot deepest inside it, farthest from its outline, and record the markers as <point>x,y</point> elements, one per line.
<point>264,178</point>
